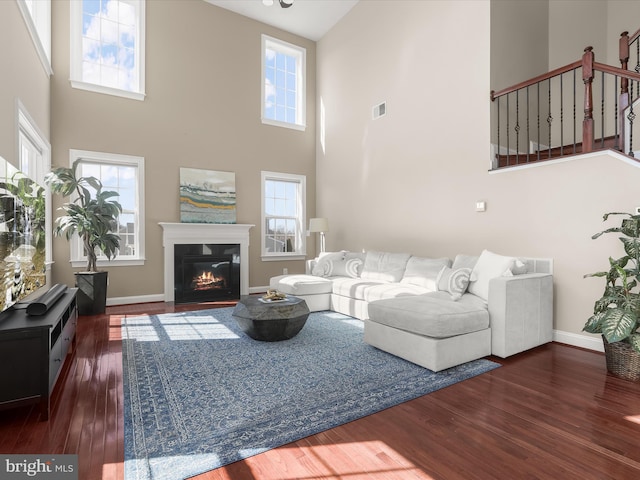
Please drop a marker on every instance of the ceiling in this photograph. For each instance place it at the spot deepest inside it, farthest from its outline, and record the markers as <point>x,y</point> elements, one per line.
<point>307,18</point>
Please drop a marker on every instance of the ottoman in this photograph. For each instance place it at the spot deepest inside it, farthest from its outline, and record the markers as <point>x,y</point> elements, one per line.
<point>316,291</point>
<point>430,330</point>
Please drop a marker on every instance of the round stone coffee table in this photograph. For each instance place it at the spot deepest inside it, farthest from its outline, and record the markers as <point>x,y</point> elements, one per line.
<point>271,321</point>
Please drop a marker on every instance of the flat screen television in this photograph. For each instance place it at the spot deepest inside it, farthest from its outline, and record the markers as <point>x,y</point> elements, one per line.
<point>22,237</point>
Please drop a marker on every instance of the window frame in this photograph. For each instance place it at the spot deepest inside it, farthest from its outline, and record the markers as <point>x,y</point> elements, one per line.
<point>76,256</point>
<point>301,180</point>
<point>75,60</point>
<point>39,26</point>
<point>300,53</point>
<point>26,126</point>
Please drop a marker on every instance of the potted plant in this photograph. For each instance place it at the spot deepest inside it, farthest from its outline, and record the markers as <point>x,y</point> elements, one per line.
<point>616,315</point>
<point>93,216</point>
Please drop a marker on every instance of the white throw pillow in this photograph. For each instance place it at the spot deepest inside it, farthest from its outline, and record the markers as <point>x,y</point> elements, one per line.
<point>488,266</point>
<point>325,264</point>
<point>339,264</point>
<point>423,272</point>
<point>454,281</point>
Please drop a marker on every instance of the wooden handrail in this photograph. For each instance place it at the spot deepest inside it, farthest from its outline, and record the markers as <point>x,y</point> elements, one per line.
<point>634,37</point>
<point>631,75</point>
<point>534,80</point>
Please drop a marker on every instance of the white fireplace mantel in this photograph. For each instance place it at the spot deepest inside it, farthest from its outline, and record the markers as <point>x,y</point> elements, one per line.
<point>192,233</point>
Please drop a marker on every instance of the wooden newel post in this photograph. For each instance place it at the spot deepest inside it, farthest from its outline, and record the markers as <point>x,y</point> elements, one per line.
<point>587,78</point>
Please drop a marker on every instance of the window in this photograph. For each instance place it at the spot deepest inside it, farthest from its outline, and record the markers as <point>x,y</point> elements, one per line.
<point>34,160</point>
<point>283,84</point>
<point>37,16</point>
<point>283,216</point>
<point>123,174</point>
<point>107,46</point>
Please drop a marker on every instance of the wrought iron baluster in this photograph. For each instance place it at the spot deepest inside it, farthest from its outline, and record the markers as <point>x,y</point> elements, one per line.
<point>602,113</point>
<point>497,159</point>
<point>631,116</point>
<point>615,125</point>
<point>508,115</point>
<point>528,131</point>
<point>538,113</point>
<point>574,111</point>
<point>549,117</point>
<point>561,116</point>
<point>517,127</point>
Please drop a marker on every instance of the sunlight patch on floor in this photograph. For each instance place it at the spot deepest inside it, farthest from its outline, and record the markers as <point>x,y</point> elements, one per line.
<point>633,418</point>
<point>179,327</point>
<point>340,462</point>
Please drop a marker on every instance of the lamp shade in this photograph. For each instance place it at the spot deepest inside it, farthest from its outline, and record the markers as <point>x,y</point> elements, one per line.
<point>318,225</point>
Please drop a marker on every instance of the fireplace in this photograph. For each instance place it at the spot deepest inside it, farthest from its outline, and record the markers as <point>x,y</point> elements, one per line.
<point>206,272</point>
<point>205,236</point>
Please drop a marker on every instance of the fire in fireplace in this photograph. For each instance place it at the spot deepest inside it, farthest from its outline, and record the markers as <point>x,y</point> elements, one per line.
<point>206,273</point>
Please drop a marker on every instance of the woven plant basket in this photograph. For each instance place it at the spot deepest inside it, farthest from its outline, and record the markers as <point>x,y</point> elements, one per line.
<point>622,360</point>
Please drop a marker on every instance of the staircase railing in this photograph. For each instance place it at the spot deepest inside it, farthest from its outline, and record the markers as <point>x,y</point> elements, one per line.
<point>548,99</point>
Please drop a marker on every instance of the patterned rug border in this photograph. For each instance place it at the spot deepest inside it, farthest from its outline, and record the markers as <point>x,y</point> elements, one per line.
<point>173,362</point>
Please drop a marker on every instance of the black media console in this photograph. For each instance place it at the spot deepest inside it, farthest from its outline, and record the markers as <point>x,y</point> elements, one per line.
<point>33,349</point>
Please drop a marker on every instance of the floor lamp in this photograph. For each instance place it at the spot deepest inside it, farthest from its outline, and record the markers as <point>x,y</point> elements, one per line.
<point>319,225</point>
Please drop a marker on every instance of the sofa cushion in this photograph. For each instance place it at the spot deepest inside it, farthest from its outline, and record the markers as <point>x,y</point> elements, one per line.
<point>454,282</point>
<point>339,264</point>
<point>301,284</point>
<point>464,261</point>
<point>353,287</point>
<point>423,272</point>
<point>384,267</point>
<point>488,266</point>
<point>391,290</point>
<point>432,315</point>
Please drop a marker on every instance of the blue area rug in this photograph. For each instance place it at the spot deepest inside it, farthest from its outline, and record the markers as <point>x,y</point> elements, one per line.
<point>200,394</point>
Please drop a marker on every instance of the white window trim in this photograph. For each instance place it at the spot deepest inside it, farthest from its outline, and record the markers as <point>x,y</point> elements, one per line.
<point>26,124</point>
<point>76,56</point>
<point>38,28</point>
<point>279,256</point>
<point>301,78</point>
<point>78,260</point>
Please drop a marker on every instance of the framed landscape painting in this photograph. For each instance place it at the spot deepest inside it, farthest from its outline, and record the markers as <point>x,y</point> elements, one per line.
<point>207,196</point>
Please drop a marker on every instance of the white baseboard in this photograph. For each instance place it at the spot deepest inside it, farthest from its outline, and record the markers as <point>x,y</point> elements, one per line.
<point>577,340</point>
<point>159,297</point>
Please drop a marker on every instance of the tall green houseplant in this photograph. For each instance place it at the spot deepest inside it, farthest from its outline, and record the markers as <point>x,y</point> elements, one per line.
<point>616,314</point>
<point>93,214</point>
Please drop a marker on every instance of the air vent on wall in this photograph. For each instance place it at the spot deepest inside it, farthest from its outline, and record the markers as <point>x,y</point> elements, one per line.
<point>380,110</point>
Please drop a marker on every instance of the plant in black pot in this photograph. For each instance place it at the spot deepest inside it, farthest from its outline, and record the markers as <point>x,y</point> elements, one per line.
<point>93,216</point>
<point>616,315</point>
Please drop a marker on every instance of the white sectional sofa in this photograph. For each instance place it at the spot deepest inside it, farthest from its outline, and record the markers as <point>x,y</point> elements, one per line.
<point>435,312</point>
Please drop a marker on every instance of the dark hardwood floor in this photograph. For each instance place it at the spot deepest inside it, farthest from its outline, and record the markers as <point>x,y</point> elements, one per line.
<point>550,413</point>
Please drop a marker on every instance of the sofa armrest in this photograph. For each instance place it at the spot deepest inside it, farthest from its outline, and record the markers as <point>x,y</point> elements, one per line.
<point>520,312</point>
<point>309,265</point>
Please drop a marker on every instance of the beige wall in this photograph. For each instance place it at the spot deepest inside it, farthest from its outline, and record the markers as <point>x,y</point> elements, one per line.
<point>202,110</point>
<point>574,25</point>
<point>409,181</point>
<point>23,77</point>
<point>392,183</point>
<point>519,41</point>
